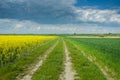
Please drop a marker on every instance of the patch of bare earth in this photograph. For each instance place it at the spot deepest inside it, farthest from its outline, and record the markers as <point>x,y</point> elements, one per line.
<point>69,73</point>
<point>108,73</point>
<point>34,68</point>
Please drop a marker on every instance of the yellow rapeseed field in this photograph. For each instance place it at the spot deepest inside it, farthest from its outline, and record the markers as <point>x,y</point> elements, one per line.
<point>13,47</point>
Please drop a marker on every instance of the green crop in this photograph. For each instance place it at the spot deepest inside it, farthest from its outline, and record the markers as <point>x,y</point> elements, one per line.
<point>106,52</point>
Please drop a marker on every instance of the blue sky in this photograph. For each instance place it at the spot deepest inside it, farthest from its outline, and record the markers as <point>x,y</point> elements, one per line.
<point>59,16</point>
<point>102,4</point>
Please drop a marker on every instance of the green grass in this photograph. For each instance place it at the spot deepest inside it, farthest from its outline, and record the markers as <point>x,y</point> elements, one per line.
<point>85,69</point>
<point>53,65</point>
<point>11,71</point>
<point>106,51</point>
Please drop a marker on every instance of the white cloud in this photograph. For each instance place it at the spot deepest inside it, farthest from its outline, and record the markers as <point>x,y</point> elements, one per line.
<point>33,27</point>
<point>38,28</point>
<point>96,15</point>
<point>18,26</point>
<point>5,20</point>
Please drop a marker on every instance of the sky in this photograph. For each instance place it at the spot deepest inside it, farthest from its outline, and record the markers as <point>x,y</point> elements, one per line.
<point>59,16</point>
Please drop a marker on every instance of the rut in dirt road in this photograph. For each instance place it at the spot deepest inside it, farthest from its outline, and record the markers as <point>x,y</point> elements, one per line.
<point>41,60</point>
<point>68,74</point>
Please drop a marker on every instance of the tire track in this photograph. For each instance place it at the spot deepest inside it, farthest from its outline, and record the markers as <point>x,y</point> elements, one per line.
<point>34,68</point>
<point>92,59</point>
<point>68,74</point>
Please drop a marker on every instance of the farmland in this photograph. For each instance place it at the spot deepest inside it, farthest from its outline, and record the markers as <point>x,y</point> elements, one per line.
<point>37,57</point>
<point>17,51</point>
<point>12,47</point>
<point>103,52</point>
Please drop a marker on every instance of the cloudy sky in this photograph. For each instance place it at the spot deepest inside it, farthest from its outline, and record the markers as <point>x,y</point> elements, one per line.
<point>59,16</point>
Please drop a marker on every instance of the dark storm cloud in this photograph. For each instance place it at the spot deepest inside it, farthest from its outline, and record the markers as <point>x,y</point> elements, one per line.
<point>44,11</point>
